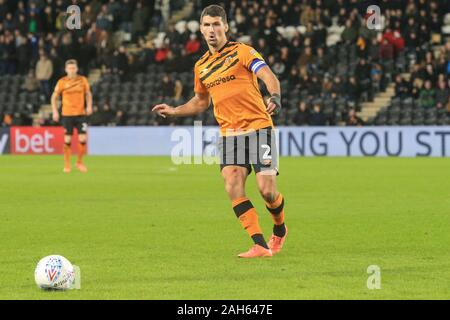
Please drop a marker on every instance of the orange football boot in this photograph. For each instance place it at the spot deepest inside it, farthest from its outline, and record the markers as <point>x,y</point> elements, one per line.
<point>255,252</point>
<point>276,243</point>
<point>81,167</point>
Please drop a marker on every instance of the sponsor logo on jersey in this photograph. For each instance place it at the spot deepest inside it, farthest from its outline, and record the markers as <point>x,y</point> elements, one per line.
<point>219,81</point>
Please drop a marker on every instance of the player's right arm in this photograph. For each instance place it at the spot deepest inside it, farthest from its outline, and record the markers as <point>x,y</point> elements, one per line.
<point>54,102</point>
<point>198,104</point>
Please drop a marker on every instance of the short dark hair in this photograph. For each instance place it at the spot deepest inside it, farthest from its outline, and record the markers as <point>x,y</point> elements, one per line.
<point>72,61</point>
<point>214,11</point>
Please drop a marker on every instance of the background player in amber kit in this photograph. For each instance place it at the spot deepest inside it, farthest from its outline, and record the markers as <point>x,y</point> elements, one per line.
<point>228,74</point>
<point>76,104</point>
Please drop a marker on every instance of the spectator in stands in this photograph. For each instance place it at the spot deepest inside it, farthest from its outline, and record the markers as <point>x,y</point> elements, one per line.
<point>338,88</point>
<point>167,87</point>
<point>162,52</point>
<point>126,16</point>
<point>9,22</point>
<point>279,68</point>
<point>427,96</point>
<point>327,86</point>
<point>85,53</point>
<point>107,115</point>
<point>103,116</point>
<point>416,73</point>
<point>350,33</point>
<point>31,84</point>
<point>193,44</point>
<point>307,15</point>
<point>104,48</point>
<point>301,118</point>
<point>7,120</point>
<point>88,15</point>
<point>66,48</point>
<point>395,39</point>
<point>362,73</point>
<point>23,52</point>
<point>353,90</point>
<point>178,91</point>
<point>3,9</point>
<point>105,19</point>
<point>417,88</point>
<point>58,66</point>
<point>96,6</point>
<point>115,9</point>
<point>119,63</point>
<point>322,62</point>
<point>315,86</point>
<point>429,74</point>
<point>95,119</point>
<point>378,78</point>
<point>306,58</point>
<point>3,55</point>
<point>402,89</point>
<point>353,119</point>
<point>139,21</point>
<point>121,118</point>
<point>386,50</point>
<point>44,72</point>
<point>442,95</point>
<point>9,54</point>
<point>317,118</point>
<point>442,65</point>
<point>362,70</point>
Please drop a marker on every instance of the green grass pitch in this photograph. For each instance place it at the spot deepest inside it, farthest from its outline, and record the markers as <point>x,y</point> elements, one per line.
<point>142,228</point>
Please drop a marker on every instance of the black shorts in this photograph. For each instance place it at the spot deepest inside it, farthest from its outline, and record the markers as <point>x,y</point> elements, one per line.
<point>257,149</point>
<point>70,122</point>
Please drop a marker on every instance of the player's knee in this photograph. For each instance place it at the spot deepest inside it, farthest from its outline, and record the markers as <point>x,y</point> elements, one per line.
<point>233,187</point>
<point>82,138</point>
<point>67,141</point>
<point>268,194</point>
<point>234,180</point>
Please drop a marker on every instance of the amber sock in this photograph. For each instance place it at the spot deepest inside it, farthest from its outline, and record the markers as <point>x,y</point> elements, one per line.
<point>276,209</point>
<point>248,217</point>
<point>81,151</point>
<point>67,154</point>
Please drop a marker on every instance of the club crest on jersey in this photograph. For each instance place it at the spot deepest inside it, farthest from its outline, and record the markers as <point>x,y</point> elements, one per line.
<point>228,61</point>
<point>53,269</point>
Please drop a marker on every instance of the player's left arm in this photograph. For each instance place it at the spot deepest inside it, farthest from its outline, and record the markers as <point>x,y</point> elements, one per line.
<point>88,95</point>
<point>89,103</point>
<point>255,63</point>
<point>273,86</point>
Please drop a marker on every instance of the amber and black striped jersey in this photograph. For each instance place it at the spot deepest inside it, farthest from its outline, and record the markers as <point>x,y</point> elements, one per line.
<point>229,76</point>
<point>73,91</point>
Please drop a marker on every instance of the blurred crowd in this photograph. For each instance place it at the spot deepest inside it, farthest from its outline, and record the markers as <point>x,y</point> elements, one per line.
<point>429,81</point>
<point>34,39</point>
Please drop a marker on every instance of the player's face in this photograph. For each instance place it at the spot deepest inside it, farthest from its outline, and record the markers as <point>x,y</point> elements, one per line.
<point>214,30</point>
<point>71,70</point>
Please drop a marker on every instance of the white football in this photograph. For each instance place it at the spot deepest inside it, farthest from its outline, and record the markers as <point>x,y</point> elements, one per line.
<point>54,272</point>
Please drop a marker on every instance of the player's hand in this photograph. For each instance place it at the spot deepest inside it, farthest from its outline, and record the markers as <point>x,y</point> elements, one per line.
<point>89,111</point>
<point>274,104</point>
<point>55,116</point>
<point>164,110</point>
